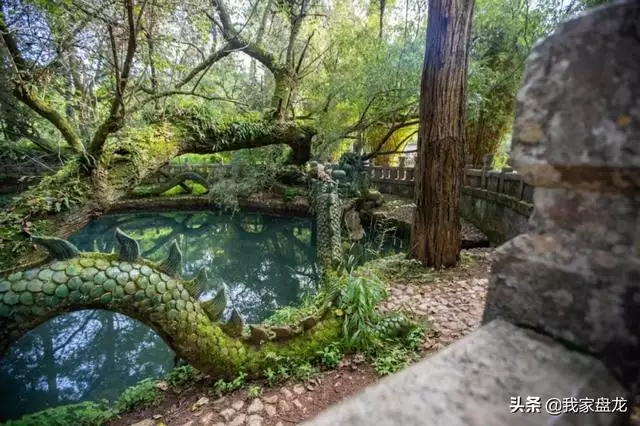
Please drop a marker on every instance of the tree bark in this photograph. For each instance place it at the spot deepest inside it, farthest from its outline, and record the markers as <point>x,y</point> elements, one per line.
<point>435,237</point>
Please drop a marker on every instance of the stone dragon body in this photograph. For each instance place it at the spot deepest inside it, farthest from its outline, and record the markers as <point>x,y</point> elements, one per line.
<point>156,295</point>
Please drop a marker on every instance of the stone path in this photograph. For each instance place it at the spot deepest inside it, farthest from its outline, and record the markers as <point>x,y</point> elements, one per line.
<point>452,300</point>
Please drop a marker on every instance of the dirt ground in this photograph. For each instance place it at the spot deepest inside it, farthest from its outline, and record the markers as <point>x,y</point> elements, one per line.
<point>452,300</point>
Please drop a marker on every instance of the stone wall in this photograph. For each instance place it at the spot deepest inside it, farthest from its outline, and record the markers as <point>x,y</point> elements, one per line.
<point>499,203</point>
<point>562,316</point>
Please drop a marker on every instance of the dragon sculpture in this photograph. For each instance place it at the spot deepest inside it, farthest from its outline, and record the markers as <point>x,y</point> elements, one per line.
<point>156,295</point>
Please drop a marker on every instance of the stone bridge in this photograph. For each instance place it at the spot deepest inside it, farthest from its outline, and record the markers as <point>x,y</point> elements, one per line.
<point>498,203</point>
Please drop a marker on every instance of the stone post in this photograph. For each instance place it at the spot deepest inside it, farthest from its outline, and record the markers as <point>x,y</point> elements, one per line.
<point>576,275</point>
<point>402,168</point>
<point>486,166</point>
<point>501,181</point>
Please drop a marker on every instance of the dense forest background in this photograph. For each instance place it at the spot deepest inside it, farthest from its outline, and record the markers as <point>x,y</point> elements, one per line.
<point>101,93</point>
<point>75,73</point>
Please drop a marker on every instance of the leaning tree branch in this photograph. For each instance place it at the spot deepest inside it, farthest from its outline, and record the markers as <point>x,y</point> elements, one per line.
<point>237,42</point>
<point>394,151</point>
<point>388,135</point>
<point>207,63</point>
<point>25,94</point>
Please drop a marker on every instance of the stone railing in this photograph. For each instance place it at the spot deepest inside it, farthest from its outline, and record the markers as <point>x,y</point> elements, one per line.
<point>560,337</point>
<point>499,203</point>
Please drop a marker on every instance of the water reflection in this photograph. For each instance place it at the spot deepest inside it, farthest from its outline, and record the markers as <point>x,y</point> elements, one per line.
<point>264,261</point>
<point>86,355</point>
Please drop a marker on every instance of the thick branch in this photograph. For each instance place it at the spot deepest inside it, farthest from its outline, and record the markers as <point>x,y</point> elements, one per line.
<point>23,93</point>
<point>115,120</point>
<point>237,42</point>
<point>206,138</point>
<point>208,62</point>
<point>395,150</point>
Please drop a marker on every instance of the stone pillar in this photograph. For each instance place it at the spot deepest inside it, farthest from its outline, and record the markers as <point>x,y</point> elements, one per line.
<point>328,210</point>
<point>486,166</point>
<point>576,275</point>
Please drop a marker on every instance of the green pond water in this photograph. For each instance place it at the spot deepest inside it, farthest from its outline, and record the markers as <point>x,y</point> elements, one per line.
<point>265,262</point>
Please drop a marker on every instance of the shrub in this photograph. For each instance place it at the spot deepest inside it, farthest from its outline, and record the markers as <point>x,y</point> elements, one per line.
<point>143,394</point>
<point>330,356</point>
<point>82,414</point>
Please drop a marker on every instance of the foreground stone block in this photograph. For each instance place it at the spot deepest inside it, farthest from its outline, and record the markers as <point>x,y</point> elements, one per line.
<point>472,383</point>
<point>576,275</point>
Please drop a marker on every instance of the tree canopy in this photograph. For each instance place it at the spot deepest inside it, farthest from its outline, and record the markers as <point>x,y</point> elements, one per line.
<point>77,72</point>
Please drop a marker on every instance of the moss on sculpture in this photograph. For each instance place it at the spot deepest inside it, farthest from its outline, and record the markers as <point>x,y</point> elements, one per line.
<point>154,294</point>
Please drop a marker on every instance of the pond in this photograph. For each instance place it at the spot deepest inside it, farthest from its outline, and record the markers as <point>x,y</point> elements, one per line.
<point>265,262</point>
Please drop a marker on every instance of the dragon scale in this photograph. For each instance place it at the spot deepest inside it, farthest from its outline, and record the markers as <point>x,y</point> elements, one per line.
<point>154,294</point>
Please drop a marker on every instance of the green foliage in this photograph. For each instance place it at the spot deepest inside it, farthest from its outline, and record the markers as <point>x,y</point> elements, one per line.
<point>222,386</point>
<point>252,171</point>
<point>283,368</point>
<point>501,157</point>
<point>271,376</point>
<point>304,371</point>
<point>59,192</point>
<point>290,193</point>
<point>254,391</point>
<point>309,305</point>
<point>289,315</point>
<point>82,414</point>
<point>331,355</point>
<point>55,193</point>
<point>180,376</point>
<point>358,301</point>
<point>390,360</point>
<point>398,352</point>
<point>143,394</point>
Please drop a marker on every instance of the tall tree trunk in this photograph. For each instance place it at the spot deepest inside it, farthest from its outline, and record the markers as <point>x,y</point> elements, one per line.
<point>435,237</point>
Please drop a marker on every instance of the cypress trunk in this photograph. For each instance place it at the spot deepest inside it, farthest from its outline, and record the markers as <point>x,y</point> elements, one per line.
<point>435,237</point>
